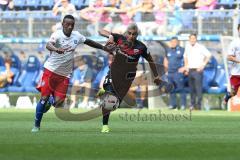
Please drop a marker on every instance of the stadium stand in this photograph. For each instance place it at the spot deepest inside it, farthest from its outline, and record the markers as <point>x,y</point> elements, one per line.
<point>1,61</point>
<point>79,4</point>
<point>46,4</point>
<point>16,63</point>
<point>8,15</point>
<point>17,23</point>
<point>33,4</point>
<point>19,4</point>
<point>219,83</point>
<point>209,74</point>
<point>213,79</point>
<point>227,4</point>
<point>27,80</point>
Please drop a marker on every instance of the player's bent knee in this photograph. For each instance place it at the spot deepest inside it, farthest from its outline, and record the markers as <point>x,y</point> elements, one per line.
<point>44,98</point>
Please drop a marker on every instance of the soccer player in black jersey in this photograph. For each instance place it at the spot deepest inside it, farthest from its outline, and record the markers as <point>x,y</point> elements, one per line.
<point>127,50</point>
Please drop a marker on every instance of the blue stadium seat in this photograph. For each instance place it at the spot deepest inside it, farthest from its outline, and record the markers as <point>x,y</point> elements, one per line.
<point>46,4</point>
<point>209,74</point>
<point>78,3</point>
<point>88,60</point>
<point>16,63</point>
<point>19,4</point>
<point>227,4</point>
<point>16,73</point>
<point>33,64</point>
<point>1,61</point>
<point>219,84</point>
<point>33,4</point>
<point>187,18</point>
<point>86,3</point>
<point>27,79</point>
<point>2,90</point>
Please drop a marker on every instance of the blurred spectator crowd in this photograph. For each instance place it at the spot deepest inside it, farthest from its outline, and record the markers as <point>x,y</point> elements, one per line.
<point>38,18</point>
<point>129,6</point>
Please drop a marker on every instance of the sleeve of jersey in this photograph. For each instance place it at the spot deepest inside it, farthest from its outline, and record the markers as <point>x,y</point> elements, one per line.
<point>231,49</point>
<point>146,52</point>
<point>81,38</point>
<point>53,37</point>
<point>206,51</point>
<point>185,52</point>
<point>116,36</point>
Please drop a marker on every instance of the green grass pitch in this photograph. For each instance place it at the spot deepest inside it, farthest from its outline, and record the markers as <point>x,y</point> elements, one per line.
<point>213,135</point>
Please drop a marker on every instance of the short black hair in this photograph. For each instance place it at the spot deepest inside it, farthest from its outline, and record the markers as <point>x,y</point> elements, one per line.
<point>193,34</point>
<point>69,17</point>
<point>174,37</point>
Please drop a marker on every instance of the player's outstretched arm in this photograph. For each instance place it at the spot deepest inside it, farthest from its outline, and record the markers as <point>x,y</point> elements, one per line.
<point>232,58</point>
<point>104,33</point>
<point>50,46</point>
<point>96,45</point>
<point>153,67</point>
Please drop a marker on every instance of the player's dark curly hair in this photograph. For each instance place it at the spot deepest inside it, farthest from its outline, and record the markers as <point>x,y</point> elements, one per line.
<point>68,17</point>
